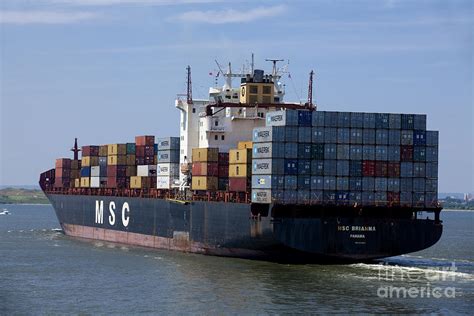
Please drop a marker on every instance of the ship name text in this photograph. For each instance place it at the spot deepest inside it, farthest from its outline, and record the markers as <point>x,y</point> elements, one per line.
<point>347,228</point>
<point>112,216</point>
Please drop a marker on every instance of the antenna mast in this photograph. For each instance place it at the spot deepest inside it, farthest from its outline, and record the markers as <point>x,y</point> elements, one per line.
<point>274,61</point>
<point>310,89</point>
<point>75,150</point>
<point>189,93</point>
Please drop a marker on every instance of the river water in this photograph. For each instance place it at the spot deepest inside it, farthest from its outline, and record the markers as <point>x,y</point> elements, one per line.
<point>44,272</point>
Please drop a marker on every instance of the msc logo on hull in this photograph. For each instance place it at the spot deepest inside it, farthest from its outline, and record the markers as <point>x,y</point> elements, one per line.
<point>99,213</point>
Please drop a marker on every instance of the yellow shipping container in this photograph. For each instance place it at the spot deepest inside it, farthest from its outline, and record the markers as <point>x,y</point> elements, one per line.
<point>240,170</point>
<point>137,182</point>
<point>244,145</point>
<point>204,183</point>
<point>131,160</point>
<point>90,161</point>
<point>85,182</point>
<point>117,160</point>
<point>117,149</point>
<point>240,156</point>
<point>103,150</point>
<point>205,154</point>
<point>77,183</point>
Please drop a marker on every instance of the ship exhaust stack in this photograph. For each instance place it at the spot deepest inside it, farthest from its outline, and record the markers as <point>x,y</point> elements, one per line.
<point>189,94</point>
<point>75,150</point>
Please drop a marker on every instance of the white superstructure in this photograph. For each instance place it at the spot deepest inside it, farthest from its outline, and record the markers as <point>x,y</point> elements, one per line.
<point>230,113</point>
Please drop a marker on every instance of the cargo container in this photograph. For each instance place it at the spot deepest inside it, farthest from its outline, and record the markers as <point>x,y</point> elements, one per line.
<point>282,118</point>
<point>210,169</point>
<point>239,184</point>
<point>115,160</point>
<point>268,166</point>
<point>164,182</point>
<point>168,143</point>
<point>90,151</point>
<point>268,134</point>
<point>205,154</point>
<point>245,145</point>
<point>240,156</point>
<point>85,182</point>
<point>116,149</point>
<point>138,182</point>
<point>168,169</point>
<point>63,163</point>
<point>146,170</point>
<point>240,170</point>
<point>144,140</point>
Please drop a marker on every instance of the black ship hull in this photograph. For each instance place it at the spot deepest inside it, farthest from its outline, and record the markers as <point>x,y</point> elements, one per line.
<point>229,229</point>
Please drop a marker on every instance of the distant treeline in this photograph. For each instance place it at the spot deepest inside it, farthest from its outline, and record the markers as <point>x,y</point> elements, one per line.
<point>457,204</point>
<point>22,196</point>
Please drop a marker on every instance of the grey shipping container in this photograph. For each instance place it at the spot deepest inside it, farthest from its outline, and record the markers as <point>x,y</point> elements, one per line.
<point>330,135</point>
<point>329,183</point>
<point>381,136</point>
<point>291,133</point>
<point>368,136</point>
<point>330,167</point>
<point>344,119</point>
<point>419,122</point>
<point>381,120</point>
<point>369,120</point>
<point>342,168</point>
<point>304,151</point>
<point>168,156</point>
<point>291,182</point>
<point>381,153</point>
<point>291,150</point>
<point>317,135</point>
<point>394,153</point>
<point>304,134</point>
<point>394,137</point>
<point>368,183</point>
<point>419,169</point>
<point>317,183</point>
<point>304,166</point>
<point>330,119</point>
<point>406,137</point>
<point>261,196</point>
<point>356,152</point>
<point>268,166</point>
<point>282,118</point>
<point>432,153</point>
<point>262,182</point>
<point>368,152</point>
<point>431,170</point>
<point>380,184</point>
<point>343,152</point>
<point>419,153</point>
<point>342,183</point>
<point>317,167</point>
<point>269,134</point>
<point>343,135</point>
<point>432,138</point>
<point>318,118</point>
<point>168,143</point>
<point>357,119</point>
<point>330,151</point>
<point>356,136</point>
<point>395,121</point>
<point>355,184</point>
<point>406,169</point>
<point>268,150</point>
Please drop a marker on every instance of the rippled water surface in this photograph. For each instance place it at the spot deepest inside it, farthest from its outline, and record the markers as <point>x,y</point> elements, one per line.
<point>44,272</point>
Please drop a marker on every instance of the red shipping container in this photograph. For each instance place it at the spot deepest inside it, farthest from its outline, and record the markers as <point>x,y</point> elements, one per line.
<point>406,153</point>
<point>223,158</point>
<point>393,169</point>
<point>149,150</point>
<point>368,168</point>
<point>116,171</point>
<point>90,151</point>
<point>139,151</point>
<point>210,169</point>
<point>239,184</point>
<point>223,171</point>
<point>381,169</point>
<point>393,198</point>
<point>118,183</point>
<point>64,163</point>
<point>63,173</point>
<point>145,140</point>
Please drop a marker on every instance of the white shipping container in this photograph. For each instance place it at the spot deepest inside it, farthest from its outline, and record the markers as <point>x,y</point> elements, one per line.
<point>164,182</point>
<point>168,169</point>
<point>95,171</point>
<point>146,170</point>
<point>95,182</point>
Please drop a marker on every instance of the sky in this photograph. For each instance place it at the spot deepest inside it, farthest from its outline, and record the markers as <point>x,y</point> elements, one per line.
<point>107,70</point>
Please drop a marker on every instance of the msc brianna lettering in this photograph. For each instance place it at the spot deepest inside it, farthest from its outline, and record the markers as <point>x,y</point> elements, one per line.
<point>253,176</point>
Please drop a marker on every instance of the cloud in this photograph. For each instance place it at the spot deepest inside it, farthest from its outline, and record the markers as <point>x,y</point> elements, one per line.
<point>130,2</point>
<point>230,15</point>
<point>44,17</point>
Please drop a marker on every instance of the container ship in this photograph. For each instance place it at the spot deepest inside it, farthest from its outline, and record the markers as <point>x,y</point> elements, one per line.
<point>253,176</point>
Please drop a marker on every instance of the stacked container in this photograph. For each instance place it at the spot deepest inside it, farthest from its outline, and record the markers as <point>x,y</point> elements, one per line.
<point>344,158</point>
<point>223,172</point>
<point>117,166</point>
<point>240,167</point>
<point>90,158</point>
<point>63,171</point>
<point>205,169</point>
<point>167,170</point>
<point>144,173</point>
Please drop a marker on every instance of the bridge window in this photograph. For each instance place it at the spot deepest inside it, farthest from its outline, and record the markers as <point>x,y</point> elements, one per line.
<point>216,137</point>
